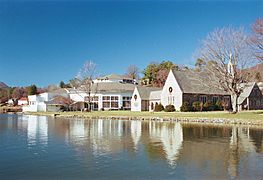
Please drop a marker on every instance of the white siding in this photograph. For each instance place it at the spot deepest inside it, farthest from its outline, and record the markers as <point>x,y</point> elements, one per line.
<point>38,102</point>
<point>176,93</point>
<point>136,104</point>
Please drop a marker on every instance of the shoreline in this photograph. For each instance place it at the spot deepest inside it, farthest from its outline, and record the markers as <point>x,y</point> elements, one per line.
<point>173,117</point>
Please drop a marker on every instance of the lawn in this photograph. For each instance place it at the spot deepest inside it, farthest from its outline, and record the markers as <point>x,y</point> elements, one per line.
<point>245,115</point>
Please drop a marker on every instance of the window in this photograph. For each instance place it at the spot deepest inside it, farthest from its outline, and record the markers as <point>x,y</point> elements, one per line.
<point>106,98</point>
<point>215,99</point>
<point>152,106</point>
<point>114,102</point>
<point>126,102</point>
<point>170,99</point>
<point>95,103</point>
<point>31,103</point>
<point>106,101</point>
<point>110,102</point>
<point>95,98</point>
<point>203,99</point>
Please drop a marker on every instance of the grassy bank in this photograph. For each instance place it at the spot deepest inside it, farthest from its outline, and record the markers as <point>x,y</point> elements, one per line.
<point>245,117</point>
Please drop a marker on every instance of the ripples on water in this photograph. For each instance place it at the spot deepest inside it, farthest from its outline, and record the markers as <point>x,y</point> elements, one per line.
<point>39,147</point>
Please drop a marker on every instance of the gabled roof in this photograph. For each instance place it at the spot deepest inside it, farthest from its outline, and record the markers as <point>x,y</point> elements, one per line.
<point>155,95</point>
<point>109,87</point>
<point>114,76</point>
<point>194,82</point>
<point>58,91</point>
<point>113,87</point>
<point>246,92</point>
<point>145,92</point>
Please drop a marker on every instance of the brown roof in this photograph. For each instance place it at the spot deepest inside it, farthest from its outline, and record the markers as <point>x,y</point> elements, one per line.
<point>194,82</point>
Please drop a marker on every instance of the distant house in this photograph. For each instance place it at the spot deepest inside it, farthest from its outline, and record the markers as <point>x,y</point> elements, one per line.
<point>112,92</point>
<point>115,78</point>
<point>10,101</point>
<point>180,86</point>
<point>145,98</point>
<point>23,101</point>
<point>251,98</point>
<point>44,101</point>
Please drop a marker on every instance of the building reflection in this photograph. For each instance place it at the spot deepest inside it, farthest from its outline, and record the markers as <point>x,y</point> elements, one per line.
<point>171,137</point>
<point>37,130</point>
<point>136,132</point>
<point>220,148</point>
<point>240,145</point>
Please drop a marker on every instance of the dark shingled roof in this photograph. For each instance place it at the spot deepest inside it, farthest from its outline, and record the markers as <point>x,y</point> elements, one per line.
<point>246,91</point>
<point>113,87</point>
<point>146,91</point>
<point>108,87</point>
<point>114,76</point>
<point>194,82</point>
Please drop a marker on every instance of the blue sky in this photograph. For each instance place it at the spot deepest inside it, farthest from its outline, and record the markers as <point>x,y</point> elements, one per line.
<point>44,42</point>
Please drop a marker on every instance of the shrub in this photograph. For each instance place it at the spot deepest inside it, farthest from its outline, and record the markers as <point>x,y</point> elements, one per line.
<point>209,106</point>
<point>185,107</point>
<point>197,106</point>
<point>158,107</point>
<point>218,105</point>
<point>169,108</point>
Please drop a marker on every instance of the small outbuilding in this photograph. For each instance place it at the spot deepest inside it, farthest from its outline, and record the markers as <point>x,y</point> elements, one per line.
<point>145,98</point>
<point>251,98</point>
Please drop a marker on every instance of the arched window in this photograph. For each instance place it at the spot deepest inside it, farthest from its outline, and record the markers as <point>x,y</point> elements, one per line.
<point>152,106</point>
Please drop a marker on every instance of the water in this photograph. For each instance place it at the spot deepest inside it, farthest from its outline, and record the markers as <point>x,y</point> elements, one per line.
<point>39,147</point>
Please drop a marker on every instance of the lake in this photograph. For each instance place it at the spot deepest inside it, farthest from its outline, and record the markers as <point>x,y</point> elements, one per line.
<point>40,147</point>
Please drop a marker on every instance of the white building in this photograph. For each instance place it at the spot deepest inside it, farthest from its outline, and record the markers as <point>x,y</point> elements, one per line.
<point>104,96</point>
<point>145,98</point>
<point>10,101</point>
<point>180,86</point>
<point>23,101</point>
<point>43,102</point>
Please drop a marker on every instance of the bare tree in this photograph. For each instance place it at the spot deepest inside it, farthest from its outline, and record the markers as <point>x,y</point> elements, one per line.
<point>133,72</point>
<point>225,52</point>
<point>17,94</point>
<point>65,101</point>
<point>256,39</point>
<point>84,80</point>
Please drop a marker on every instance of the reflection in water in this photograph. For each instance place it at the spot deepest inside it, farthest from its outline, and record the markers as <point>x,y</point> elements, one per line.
<point>186,150</point>
<point>240,145</point>
<point>136,131</point>
<point>171,136</point>
<point>172,139</point>
<point>37,130</point>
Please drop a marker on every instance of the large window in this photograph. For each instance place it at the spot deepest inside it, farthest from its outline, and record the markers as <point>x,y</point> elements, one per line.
<point>126,102</point>
<point>111,102</point>
<point>214,99</point>
<point>203,99</point>
<point>114,102</point>
<point>95,102</point>
<point>106,101</point>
